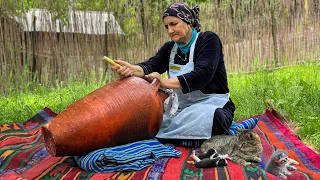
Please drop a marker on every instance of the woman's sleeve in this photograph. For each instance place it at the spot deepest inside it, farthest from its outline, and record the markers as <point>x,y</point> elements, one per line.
<point>208,53</point>
<point>159,62</point>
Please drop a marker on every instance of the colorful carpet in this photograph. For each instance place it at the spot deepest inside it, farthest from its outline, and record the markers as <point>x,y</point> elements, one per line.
<point>23,156</point>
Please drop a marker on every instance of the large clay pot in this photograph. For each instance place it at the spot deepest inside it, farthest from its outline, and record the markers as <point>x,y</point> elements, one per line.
<point>124,111</point>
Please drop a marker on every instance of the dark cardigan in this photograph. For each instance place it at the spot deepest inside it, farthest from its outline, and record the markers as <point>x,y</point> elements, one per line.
<point>209,74</point>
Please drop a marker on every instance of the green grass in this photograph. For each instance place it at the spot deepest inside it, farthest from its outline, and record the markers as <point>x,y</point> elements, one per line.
<point>19,106</point>
<point>294,91</point>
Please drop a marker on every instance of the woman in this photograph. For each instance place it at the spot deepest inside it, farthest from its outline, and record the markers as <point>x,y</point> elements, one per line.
<point>196,72</point>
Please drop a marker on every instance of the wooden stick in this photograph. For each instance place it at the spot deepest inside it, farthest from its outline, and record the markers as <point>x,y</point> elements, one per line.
<point>110,61</point>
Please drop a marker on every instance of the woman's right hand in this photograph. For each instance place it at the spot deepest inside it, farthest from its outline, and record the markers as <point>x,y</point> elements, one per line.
<point>126,70</point>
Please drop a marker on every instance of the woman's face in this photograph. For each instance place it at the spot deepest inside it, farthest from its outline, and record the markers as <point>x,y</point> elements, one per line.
<point>178,30</point>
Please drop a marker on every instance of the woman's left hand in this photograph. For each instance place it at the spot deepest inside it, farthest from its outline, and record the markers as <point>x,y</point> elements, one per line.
<point>171,83</point>
<point>152,76</point>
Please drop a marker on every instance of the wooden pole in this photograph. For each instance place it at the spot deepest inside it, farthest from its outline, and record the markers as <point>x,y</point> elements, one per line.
<point>306,13</point>
<point>2,53</point>
<point>106,48</point>
<point>106,38</point>
<point>34,61</point>
<point>143,23</point>
<point>274,34</point>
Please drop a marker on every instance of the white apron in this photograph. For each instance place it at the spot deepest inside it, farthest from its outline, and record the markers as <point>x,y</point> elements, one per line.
<point>194,117</point>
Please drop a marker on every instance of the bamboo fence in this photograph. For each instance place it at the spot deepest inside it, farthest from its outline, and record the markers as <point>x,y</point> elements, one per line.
<point>256,35</point>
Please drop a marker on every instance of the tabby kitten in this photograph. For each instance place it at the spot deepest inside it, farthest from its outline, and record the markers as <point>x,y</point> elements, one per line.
<point>280,164</point>
<point>242,148</point>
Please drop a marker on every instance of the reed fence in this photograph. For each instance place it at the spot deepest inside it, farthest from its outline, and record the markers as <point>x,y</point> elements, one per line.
<point>256,35</point>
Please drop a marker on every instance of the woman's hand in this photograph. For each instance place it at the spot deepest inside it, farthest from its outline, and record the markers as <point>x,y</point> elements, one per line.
<point>172,83</point>
<point>150,77</point>
<point>126,70</point>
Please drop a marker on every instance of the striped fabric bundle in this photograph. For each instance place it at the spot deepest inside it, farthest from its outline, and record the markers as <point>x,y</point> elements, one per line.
<point>129,157</point>
<point>246,124</point>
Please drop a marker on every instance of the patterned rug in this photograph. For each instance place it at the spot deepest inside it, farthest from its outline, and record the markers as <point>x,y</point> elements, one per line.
<point>23,156</point>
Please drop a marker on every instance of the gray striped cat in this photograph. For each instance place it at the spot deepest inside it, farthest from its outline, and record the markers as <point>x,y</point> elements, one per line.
<point>242,148</point>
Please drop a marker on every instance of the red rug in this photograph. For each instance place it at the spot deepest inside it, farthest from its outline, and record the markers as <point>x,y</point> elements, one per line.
<point>23,156</point>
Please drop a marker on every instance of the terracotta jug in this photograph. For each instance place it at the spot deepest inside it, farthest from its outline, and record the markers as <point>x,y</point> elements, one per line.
<point>124,111</point>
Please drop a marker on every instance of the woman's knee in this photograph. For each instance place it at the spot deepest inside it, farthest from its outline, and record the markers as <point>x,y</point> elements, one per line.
<point>221,122</point>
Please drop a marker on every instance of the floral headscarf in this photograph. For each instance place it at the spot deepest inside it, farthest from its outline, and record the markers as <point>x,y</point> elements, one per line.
<point>185,13</point>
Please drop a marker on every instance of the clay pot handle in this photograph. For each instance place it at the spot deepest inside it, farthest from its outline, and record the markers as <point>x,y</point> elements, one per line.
<point>155,84</point>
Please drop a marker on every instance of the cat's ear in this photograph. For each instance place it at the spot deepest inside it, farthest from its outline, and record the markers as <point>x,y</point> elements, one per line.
<point>239,130</point>
<point>281,152</point>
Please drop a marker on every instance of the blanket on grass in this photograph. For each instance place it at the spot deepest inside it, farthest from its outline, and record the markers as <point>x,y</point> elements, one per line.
<point>23,156</point>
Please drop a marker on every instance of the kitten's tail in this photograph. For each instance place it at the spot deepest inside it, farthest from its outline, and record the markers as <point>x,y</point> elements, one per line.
<point>225,156</point>
<point>194,156</point>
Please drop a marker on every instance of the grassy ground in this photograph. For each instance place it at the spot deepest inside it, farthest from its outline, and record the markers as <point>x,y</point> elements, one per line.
<point>294,91</point>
